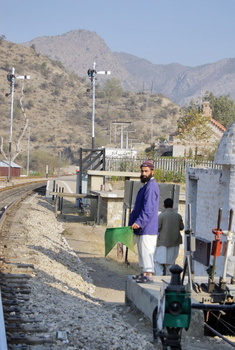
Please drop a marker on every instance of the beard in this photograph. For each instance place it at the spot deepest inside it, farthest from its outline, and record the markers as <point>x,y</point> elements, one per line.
<point>145,179</point>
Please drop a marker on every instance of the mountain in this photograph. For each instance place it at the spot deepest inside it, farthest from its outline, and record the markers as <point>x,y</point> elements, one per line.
<point>58,104</point>
<point>78,49</point>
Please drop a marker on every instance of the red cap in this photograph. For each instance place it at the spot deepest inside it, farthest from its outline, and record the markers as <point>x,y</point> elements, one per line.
<point>148,163</point>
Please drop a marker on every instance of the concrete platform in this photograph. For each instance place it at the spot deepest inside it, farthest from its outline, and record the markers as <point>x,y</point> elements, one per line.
<point>145,298</point>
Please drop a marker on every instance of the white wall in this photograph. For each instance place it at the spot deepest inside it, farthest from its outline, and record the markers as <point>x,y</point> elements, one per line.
<point>207,190</point>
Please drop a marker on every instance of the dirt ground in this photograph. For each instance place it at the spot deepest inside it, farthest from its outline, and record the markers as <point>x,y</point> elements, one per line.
<point>108,273</point>
<point>109,277</point>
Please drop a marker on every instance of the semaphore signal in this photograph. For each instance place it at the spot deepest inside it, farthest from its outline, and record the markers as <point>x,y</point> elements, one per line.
<point>92,73</point>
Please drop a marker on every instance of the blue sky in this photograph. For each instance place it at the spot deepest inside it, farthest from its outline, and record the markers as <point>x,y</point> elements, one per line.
<point>189,32</point>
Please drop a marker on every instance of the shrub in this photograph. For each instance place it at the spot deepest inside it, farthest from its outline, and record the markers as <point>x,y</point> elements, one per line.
<point>159,175</point>
<point>44,70</point>
<point>29,104</point>
<point>168,176</point>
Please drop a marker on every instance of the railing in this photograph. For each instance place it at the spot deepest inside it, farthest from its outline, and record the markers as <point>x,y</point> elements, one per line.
<point>90,159</point>
<point>166,164</point>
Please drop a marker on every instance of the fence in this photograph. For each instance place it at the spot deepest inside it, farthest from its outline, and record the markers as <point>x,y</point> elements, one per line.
<point>166,164</point>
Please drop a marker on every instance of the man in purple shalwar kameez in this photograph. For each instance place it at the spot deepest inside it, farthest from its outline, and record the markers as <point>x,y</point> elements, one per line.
<point>144,221</point>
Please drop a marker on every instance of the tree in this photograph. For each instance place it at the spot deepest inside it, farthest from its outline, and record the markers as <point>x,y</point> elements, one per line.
<point>194,127</point>
<point>23,131</point>
<point>223,108</point>
<point>40,158</point>
<point>112,90</point>
<point>2,38</point>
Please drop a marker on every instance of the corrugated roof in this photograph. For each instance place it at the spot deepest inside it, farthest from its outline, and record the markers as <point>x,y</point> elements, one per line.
<point>5,164</point>
<point>220,126</point>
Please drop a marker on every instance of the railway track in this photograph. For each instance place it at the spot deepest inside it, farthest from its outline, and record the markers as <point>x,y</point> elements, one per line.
<point>20,326</point>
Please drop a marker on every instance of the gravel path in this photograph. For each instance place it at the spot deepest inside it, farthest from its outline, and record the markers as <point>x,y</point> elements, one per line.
<point>63,291</point>
<point>66,296</point>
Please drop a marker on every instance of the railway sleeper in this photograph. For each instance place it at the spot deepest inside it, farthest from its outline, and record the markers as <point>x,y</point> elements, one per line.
<point>33,328</point>
<point>19,276</point>
<point>13,252</point>
<point>25,347</point>
<point>19,254</point>
<point>21,284</point>
<point>17,260</point>
<point>10,302</point>
<point>14,245</point>
<point>18,318</point>
<point>12,239</point>
<point>28,340</point>
<point>17,310</point>
<point>23,289</point>
<point>13,268</point>
<point>15,300</point>
<point>10,296</point>
<point>18,347</point>
<point>16,264</point>
<point>25,266</point>
<point>8,289</point>
<point>15,283</point>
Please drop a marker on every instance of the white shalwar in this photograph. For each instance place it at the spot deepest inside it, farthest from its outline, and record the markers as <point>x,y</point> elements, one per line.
<point>164,258</point>
<point>146,245</point>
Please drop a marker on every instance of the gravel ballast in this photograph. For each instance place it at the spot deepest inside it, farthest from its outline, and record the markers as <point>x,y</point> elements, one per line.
<point>62,291</point>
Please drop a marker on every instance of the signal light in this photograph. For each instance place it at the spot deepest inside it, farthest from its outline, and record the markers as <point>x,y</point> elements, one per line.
<point>10,77</point>
<point>91,72</point>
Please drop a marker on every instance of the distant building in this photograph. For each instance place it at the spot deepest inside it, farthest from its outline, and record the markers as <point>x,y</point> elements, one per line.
<point>15,169</point>
<point>120,153</point>
<point>181,148</point>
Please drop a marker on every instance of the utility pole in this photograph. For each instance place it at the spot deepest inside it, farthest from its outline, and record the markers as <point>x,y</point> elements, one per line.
<point>127,137</point>
<point>28,153</point>
<point>147,112</point>
<point>122,125</point>
<point>11,78</point>
<point>59,164</point>
<point>92,73</point>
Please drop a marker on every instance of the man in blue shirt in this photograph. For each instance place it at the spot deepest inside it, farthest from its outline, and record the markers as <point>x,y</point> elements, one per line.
<point>144,221</point>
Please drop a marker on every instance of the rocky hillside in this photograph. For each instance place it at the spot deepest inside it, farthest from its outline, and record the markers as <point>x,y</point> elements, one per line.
<point>58,104</point>
<point>78,49</point>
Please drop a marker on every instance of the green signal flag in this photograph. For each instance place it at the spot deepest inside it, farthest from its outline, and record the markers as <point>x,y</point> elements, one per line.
<point>122,235</point>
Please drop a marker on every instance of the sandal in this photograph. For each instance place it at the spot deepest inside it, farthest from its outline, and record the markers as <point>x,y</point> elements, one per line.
<point>144,279</point>
<point>136,277</point>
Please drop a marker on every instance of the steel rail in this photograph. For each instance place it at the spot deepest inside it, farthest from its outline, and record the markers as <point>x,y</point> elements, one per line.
<point>3,337</point>
<point>28,189</point>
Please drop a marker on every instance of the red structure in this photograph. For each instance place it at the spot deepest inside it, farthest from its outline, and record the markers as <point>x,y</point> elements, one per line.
<point>15,169</point>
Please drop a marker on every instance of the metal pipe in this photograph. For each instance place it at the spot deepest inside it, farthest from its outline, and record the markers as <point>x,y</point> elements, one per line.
<point>93,110</point>
<point>229,243</point>
<point>219,335</point>
<point>28,152</point>
<point>154,322</point>
<point>210,307</point>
